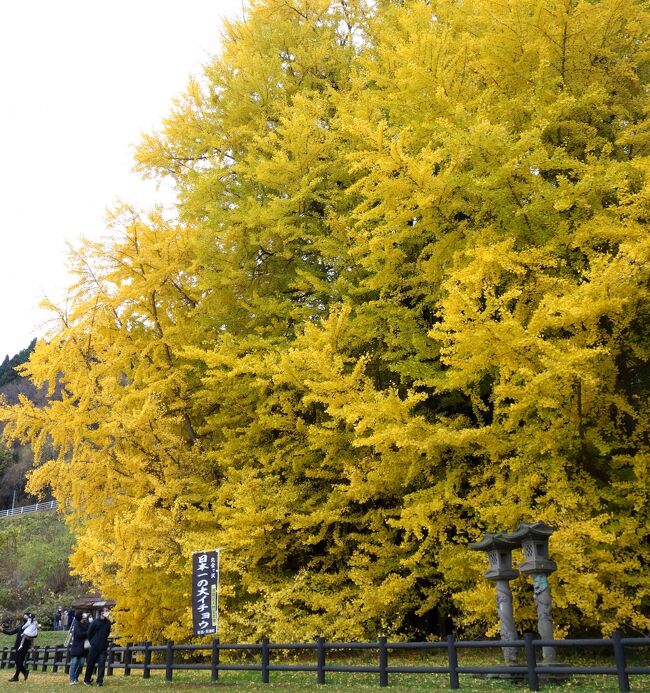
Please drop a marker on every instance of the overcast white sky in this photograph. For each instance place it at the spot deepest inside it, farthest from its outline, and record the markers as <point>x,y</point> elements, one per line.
<point>80,80</point>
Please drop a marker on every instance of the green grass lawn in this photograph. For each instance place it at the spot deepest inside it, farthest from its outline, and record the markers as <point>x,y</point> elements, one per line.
<point>298,681</point>
<point>44,682</point>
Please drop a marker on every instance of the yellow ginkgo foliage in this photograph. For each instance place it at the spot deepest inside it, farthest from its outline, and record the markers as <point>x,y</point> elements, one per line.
<point>403,301</point>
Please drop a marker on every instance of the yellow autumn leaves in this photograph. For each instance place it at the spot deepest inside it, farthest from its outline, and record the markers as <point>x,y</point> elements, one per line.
<point>403,301</point>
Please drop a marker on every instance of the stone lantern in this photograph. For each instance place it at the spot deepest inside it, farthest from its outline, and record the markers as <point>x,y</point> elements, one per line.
<point>499,551</point>
<point>533,539</point>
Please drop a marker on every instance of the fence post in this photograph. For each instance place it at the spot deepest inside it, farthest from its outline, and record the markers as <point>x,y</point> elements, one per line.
<point>46,657</point>
<point>320,660</point>
<point>55,663</point>
<point>531,663</point>
<point>3,659</point>
<point>128,656</point>
<point>146,672</point>
<point>265,660</point>
<point>66,664</point>
<point>35,654</point>
<point>169,660</point>
<point>619,658</point>
<point>214,660</point>
<point>452,655</point>
<point>383,662</point>
<point>110,658</point>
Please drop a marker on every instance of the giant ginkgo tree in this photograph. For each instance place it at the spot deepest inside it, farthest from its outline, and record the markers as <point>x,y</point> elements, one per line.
<point>403,300</point>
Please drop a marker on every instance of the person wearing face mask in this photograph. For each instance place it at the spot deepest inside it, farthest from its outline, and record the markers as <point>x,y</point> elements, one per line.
<point>98,633</point>
<point>18,632</point>
<point>79,632</point>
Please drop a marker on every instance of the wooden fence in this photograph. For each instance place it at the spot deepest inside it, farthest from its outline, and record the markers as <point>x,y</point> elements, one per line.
<point>139,657</point>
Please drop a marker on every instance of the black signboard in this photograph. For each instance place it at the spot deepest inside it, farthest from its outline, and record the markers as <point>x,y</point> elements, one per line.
<point>205,591</point>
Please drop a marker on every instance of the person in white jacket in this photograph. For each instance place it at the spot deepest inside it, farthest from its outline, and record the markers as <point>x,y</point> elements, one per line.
<point>30,631</point>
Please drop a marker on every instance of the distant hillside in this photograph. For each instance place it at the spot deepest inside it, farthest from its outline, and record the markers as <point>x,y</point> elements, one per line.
<point>15,462</point>
<point>12,384</point>
<point>8,366</point>
<point>34,570</point>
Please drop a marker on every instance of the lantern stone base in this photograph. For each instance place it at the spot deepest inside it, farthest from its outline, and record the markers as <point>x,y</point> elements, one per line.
<point>549,676</point>
<point>514,677</point>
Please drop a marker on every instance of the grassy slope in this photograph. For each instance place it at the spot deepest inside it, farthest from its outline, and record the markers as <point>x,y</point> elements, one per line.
<point>46,638</point>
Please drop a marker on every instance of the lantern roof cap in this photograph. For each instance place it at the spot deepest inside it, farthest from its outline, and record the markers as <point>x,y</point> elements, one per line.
<point>493,541</point>
<point>526,530</point>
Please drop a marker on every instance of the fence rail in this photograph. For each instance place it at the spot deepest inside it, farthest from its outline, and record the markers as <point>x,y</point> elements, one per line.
<point>27,509</point>
<point>124,657</point>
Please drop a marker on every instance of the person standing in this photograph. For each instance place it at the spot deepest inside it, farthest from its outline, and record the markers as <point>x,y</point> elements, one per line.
<point>56,621</point>
<point>28,632</point>
<point>18,632</point>
<point>65,619</point>
<point>98,633</point>
<point>79,631</point>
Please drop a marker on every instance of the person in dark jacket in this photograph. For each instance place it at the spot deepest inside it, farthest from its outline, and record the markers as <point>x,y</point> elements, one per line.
<point>23,648</point>
<point>98,634</point>
<point>79,632</point>
<point>18,632</point>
